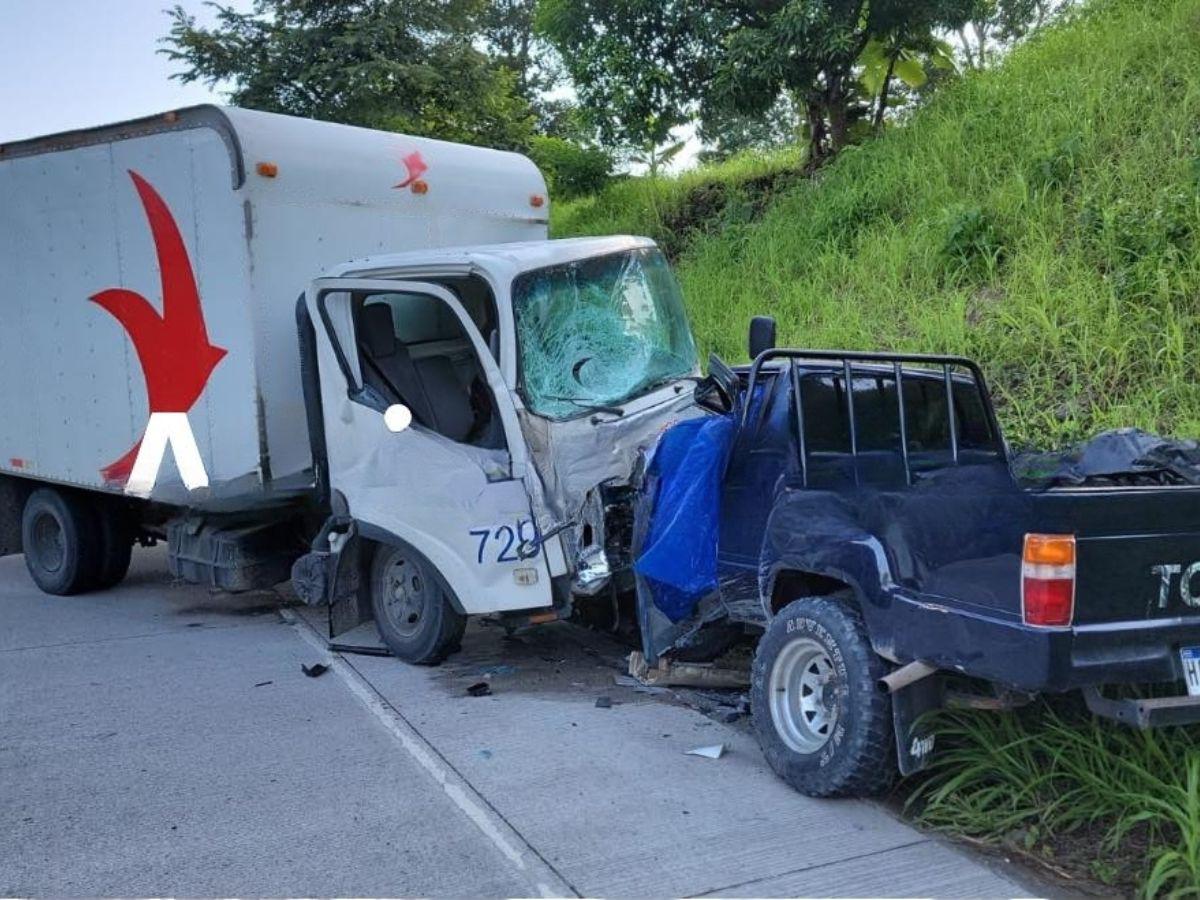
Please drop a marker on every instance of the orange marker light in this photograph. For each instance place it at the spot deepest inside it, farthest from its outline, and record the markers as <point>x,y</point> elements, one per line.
<point>267,169</point>
<point>537,201</point>
<point>420,186</point>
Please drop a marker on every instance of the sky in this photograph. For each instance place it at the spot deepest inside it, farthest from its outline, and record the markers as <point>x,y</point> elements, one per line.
<point>67,64</point>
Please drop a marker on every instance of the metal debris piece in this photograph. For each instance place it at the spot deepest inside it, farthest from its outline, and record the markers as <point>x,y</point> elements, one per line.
<point>480,689</point>
<point>263,683</point>
<point>682,674</point>
<point>714,751</point>
<point>314,671</point>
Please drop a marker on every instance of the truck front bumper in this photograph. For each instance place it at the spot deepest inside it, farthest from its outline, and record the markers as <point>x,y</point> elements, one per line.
<point>1042,659</point>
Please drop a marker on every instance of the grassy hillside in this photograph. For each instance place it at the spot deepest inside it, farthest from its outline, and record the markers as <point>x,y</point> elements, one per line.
<point>1043,218</point>
<point>1040,217</point>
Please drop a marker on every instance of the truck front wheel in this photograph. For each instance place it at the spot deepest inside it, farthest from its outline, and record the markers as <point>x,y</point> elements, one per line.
<point>412,609</point>
<point>822,723</point>
<point>58,532</point>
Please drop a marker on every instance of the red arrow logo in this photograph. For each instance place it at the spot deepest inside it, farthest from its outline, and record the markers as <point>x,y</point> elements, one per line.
<point>415,166</point>
<point>173,348</point>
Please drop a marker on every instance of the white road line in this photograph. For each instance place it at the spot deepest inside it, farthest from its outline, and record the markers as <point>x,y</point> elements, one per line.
<point>541,877</point>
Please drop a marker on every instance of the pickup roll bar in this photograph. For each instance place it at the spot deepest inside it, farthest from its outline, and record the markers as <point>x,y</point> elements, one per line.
<point>847,358</point>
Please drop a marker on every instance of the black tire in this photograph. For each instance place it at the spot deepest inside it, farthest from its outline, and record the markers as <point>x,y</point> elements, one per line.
<point>62,546</point>
<point>837,739</point>
<point>116,545</point>
<point>412,607</point>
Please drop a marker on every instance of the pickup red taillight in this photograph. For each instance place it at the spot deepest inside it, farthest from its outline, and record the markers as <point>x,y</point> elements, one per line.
<point>1048,579</point>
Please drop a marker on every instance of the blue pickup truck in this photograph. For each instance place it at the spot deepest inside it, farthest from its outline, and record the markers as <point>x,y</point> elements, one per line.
<point>870,531</point>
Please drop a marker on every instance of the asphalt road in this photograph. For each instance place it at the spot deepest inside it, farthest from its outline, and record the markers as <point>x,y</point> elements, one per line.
<point>159,739</point>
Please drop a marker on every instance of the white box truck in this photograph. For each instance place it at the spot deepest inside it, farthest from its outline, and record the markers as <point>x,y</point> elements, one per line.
<point>292,347</point>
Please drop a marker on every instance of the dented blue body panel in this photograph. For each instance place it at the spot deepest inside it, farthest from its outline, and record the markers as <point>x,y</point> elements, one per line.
<point>929,540</point>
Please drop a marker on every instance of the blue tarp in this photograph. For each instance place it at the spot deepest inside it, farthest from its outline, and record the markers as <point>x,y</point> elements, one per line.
<point>679,556</point>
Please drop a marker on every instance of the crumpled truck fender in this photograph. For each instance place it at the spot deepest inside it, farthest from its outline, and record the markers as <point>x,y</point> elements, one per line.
<point>825,540</point>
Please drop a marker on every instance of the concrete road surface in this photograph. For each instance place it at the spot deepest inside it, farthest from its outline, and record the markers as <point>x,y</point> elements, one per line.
<point>159,739</point>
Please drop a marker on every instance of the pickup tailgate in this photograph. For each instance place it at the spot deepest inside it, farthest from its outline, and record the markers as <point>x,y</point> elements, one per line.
<point>1138,550</point>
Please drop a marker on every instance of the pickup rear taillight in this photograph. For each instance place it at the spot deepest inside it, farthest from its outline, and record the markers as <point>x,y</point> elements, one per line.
<point>1048,579</point>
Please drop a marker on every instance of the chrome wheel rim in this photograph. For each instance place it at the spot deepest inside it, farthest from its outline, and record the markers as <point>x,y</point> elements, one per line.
<point>49,543</point>
<point>804,693</point>
<point>407,595</point>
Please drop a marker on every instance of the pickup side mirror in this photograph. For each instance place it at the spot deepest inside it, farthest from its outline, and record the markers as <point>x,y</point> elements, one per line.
<point>762,335</point>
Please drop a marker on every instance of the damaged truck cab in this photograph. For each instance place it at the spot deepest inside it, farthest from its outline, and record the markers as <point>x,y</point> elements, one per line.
<point>525,378</point>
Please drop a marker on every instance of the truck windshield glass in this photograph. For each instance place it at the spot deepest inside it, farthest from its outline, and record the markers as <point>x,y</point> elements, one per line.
<point>595,332</point>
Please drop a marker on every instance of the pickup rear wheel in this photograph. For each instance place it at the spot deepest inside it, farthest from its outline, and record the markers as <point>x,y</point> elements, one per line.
<point>412,608</point>
<point>823,725</point>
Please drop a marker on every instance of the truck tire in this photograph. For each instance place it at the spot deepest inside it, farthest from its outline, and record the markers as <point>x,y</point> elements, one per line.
<point>822,722</point>
<point>412,608</point>
<point>116,546</point>
<point>59,534</point>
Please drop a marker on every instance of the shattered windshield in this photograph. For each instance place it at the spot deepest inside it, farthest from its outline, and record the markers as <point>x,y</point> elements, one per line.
<point>594,332</point>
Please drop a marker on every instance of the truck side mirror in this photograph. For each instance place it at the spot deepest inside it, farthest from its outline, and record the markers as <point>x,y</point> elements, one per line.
<point>762,335</point>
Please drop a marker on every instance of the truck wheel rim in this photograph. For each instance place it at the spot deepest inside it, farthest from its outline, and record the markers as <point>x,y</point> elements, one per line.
<point>803,691</point>
<point>406,590</point>
<point>48,542</point>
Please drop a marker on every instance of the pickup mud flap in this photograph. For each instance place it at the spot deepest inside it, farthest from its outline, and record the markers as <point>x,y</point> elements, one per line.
<point>914,733</point>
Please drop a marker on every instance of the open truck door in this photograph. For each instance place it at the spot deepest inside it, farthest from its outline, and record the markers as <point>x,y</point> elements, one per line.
<point>423,455</point>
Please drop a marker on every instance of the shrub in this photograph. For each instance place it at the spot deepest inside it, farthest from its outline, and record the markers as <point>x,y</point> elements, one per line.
<point>570,169</point>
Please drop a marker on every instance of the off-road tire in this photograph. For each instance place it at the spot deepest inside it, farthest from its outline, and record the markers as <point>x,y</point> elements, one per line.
<point>437,629</point>
<point>858,758</point>
<point>62,546</point>
<point>116,546</point>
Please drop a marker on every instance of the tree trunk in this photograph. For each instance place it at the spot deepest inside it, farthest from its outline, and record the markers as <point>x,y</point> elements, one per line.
<point>816,132</point>
<point>881,105</point>
<point>835,104</point>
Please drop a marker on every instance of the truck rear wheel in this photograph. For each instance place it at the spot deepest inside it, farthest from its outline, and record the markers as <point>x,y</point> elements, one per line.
<point>59,534</point>
<point>116,546</point>
<point>412,608</point>
<point>823,724</point>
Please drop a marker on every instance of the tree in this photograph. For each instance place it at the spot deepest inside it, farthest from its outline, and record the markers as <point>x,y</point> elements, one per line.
<point>637,65</point>
<point>903,56</point>
<point>725,133</point>
<point>399,65</point>
<point>508,30</point>
<point>811,49</point>
<point>995,24</point>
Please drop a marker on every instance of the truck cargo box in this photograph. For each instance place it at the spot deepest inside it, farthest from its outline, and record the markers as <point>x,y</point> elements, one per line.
<point>152,273</point>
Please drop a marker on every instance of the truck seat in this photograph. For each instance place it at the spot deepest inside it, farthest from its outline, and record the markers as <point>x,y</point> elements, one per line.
<point>429,387</point>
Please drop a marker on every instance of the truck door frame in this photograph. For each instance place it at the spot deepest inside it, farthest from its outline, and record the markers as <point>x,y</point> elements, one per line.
<point>464,560</point>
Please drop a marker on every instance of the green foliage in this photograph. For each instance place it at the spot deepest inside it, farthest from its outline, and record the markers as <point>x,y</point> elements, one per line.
<point>1075,284</point>
<point>810,48</point>
<point>972,240</point>
<point>677,212</point>
<point>636,64</point>
<point>400,65</point>
<point>1018,779</point>
<point>571,169</point>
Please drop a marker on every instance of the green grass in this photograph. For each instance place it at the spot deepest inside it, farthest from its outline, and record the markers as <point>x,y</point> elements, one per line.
<point>1029,781</point>
<point>678,212</point>
<point>1041,217</point>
